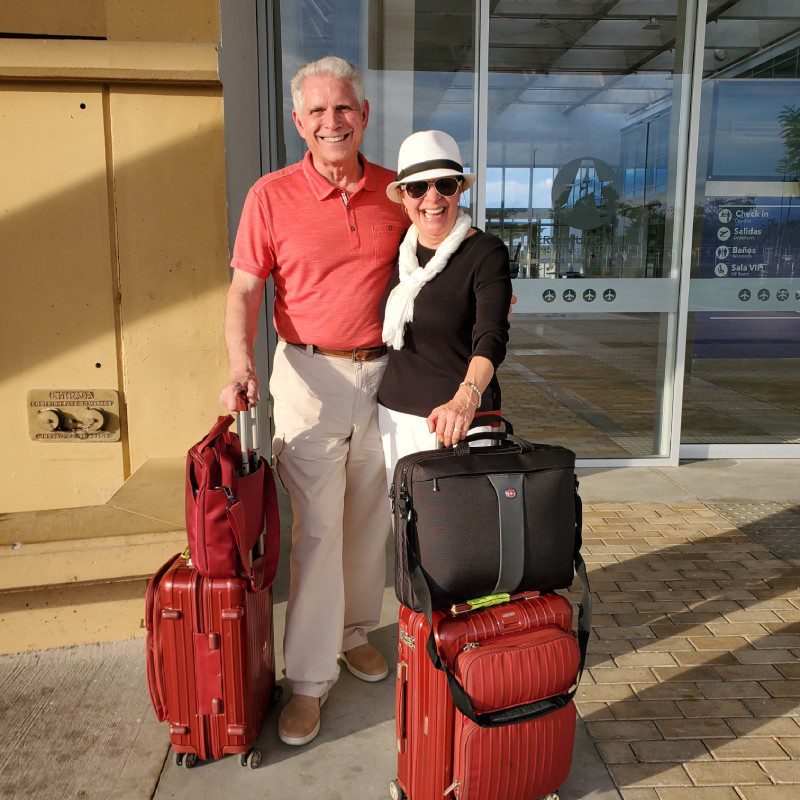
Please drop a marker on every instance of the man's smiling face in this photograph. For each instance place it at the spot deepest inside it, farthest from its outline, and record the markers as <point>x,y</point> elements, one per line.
<point>330,120</point>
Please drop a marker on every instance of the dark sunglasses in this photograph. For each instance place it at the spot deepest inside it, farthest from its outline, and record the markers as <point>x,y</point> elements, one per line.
<point>446,187</point>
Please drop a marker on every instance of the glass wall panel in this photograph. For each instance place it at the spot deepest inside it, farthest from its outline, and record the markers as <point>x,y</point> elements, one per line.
<point>742,380</point>
<point>584,134</point>
<point>417,59</point>
<point>586,380</point>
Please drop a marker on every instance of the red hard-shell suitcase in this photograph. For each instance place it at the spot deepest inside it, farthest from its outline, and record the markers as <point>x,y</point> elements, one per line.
<point>210,649</point>
<point>503,656</point>
<point>213,663</point>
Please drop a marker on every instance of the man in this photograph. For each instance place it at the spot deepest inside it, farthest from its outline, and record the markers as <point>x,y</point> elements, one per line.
<point>326,232</point>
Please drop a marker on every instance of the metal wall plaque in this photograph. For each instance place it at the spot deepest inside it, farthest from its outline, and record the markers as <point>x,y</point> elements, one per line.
<point>73,415</point>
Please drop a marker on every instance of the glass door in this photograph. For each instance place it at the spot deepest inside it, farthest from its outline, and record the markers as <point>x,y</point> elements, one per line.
<point>584,133</point>
<point>741,393</point>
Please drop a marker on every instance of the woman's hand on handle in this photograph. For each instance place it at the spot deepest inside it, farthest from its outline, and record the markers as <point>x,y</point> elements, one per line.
<point>451,421</point>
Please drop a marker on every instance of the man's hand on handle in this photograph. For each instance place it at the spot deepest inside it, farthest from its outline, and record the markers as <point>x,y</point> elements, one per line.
<point>246,382</point>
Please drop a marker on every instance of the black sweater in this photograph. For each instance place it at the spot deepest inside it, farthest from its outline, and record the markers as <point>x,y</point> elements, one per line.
<point>461,313</point>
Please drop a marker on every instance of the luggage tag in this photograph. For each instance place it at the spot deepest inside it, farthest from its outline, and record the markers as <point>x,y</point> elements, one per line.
<point>490,600</point>
<point>481,602</point>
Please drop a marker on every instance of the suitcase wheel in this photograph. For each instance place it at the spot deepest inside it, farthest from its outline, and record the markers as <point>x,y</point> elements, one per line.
<point>252,758</point>
<point>277,695</point>
<point>395,792</point>
<point>186,760</point>
<point>551,796</point>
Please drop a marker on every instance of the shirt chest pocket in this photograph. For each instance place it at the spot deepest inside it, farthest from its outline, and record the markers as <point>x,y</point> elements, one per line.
<point>386,243</point>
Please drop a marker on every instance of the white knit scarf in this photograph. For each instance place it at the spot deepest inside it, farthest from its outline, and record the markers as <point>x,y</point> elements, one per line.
<point>400,304</point>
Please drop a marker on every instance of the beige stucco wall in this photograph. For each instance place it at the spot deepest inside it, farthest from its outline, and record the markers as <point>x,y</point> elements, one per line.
<point>113,235</point>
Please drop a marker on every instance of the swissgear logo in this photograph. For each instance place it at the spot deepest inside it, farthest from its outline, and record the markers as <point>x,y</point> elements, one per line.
<point>511,493</point>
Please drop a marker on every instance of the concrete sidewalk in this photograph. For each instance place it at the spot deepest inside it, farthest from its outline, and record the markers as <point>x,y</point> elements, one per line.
<point>692,691</point>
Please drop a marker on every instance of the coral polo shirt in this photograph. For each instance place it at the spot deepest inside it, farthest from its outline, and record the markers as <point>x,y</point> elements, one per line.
<point>330,255</point>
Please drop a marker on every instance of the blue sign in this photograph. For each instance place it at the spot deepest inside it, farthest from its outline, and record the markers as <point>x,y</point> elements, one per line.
<point>750,238</point>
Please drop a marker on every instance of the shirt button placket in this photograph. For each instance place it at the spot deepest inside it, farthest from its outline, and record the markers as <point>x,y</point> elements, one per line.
<point>351,223</point>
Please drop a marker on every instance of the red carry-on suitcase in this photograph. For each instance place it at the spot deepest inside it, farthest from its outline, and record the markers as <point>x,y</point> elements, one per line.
<point>512,669</point>
<point>216,664</point>
<point>210,651</point>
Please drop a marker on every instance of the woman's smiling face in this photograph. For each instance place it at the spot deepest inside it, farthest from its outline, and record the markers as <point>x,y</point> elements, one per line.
<point>433,214</point>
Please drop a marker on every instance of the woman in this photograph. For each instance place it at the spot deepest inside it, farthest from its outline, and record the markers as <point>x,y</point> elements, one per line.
<point>446,308</point>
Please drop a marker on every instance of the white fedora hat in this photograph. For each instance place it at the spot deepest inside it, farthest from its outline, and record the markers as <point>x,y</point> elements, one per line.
<point>425,156</point>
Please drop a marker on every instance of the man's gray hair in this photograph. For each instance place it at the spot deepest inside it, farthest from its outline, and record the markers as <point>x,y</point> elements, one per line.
<point>330,65</point>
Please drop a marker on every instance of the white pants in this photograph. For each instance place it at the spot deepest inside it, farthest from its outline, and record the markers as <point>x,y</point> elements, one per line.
<point>328,451</point>
<point>403,434</point>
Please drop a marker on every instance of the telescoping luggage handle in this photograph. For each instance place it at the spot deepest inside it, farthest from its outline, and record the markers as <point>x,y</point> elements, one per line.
<point>247,425</point>
<point>526,711</point>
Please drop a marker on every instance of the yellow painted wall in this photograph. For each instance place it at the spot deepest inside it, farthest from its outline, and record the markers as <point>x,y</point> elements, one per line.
<point>113,242</point>
<point>169,189</point>
<point>160,21</point>
<point>54,18</point>
<point>56,307</point>
<point>117,20</point>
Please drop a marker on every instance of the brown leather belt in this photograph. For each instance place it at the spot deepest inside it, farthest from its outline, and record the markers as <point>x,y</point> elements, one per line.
<point>357,354</point>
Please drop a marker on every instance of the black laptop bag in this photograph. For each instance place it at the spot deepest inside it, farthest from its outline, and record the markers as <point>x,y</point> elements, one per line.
<point>475,521</point>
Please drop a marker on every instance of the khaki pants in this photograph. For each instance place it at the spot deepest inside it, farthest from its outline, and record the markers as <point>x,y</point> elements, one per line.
<point>330,460</point>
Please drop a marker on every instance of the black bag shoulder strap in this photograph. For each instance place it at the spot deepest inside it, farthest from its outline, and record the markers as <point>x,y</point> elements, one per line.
<point>526,711</point>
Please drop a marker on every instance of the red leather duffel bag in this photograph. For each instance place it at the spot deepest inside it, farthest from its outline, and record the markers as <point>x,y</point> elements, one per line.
<point>230,503</point>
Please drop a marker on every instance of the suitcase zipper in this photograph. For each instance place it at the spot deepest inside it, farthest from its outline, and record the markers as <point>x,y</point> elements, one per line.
<point>204,743</point>
<point>454,787</point>
<point>204,623</point>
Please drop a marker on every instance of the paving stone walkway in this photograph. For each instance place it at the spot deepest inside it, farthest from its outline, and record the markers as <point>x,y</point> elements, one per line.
<point>776,525</point>
<point>693,688</point>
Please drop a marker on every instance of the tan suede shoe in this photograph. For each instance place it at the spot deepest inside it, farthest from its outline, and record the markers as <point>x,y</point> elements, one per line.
<point>366,663</point>
<point>299,720</point>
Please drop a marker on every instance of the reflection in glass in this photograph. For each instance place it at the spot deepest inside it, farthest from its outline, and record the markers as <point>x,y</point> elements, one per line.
<point>580,113</point>
<point>417,60</point>
<point>589,382</point>
<point>582,158</point>
<point>742,381</point>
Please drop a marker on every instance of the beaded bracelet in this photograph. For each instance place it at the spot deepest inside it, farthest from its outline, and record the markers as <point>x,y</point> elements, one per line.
<point>475,389</point>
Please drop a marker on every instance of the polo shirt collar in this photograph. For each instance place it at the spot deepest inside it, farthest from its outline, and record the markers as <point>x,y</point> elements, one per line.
<point>322,188</point>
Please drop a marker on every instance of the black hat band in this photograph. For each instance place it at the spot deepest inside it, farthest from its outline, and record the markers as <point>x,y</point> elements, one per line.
<point>439,163</point>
